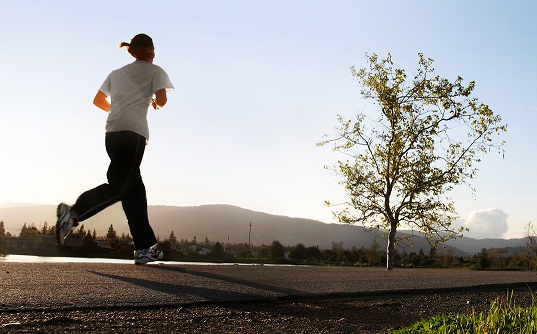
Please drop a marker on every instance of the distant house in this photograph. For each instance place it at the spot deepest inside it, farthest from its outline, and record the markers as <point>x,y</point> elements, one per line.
<point>104,244</point>
<point>199,250</point>
<point>204,251</point>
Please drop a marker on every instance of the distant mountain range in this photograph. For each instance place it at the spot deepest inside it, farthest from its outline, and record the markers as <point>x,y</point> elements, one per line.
<point>227,223</point>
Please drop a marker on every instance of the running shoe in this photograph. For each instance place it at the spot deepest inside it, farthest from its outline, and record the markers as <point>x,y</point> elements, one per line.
<point>144,256</point>
<point>65,223</point>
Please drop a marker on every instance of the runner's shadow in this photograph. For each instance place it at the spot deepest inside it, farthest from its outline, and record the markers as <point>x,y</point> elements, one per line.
<point>210,294</point>
<point>234,280</point>
<point>181,290</point>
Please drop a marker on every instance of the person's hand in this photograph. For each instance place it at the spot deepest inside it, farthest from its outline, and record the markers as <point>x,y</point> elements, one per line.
<point>154,104</point>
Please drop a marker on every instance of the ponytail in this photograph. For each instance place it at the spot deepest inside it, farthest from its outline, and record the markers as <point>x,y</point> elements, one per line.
<point>141,53</point>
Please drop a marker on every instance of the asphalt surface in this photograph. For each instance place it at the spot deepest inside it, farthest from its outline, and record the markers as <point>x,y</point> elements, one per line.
<point>73,286</point>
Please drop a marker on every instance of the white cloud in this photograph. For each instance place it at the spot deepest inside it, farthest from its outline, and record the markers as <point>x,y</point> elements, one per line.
<point>491,223</point>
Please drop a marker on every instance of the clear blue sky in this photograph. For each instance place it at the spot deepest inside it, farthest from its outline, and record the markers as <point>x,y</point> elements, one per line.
<point>258,83</point>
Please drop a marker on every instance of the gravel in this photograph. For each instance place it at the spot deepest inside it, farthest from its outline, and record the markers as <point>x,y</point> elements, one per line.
<point>347,314</point>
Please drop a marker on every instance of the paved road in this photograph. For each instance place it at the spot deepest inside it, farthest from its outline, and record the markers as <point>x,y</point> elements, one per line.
<point>63,286</point>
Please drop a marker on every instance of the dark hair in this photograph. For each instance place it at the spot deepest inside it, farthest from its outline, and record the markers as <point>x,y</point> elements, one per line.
<point>141,47</point>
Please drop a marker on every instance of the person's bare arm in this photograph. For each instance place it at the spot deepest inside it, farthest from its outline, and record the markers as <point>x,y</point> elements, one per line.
<point>101,102</point>
<point>160,99</point>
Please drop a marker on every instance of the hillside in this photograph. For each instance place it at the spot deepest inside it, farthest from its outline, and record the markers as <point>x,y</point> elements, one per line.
<point>216,222</point>
<point>473,246</point>
<point>227,223</point>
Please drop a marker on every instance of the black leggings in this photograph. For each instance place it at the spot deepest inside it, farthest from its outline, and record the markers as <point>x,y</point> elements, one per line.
<point>126,150</point>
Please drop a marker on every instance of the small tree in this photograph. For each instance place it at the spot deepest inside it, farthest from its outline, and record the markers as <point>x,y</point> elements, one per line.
<point>530,251</point>
<point>44,230</point>
<point>426,139</point>
<point>298,253</point>
<point>483,259</point>
<point>217,250</point>
<point>3,243</point>
<point>30,232</point>
<point>263,252</point>
<point>80,232</point>
<point>313,253</point>
<point>48,230</point>
<point>173,241</point>
<point>277,252</point>
<point>373,255</point>
<point>88,241</point>
<point>2,229</point>
<point>112,235</point>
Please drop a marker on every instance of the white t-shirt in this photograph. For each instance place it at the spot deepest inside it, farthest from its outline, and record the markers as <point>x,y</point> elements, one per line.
<point>131,89</point>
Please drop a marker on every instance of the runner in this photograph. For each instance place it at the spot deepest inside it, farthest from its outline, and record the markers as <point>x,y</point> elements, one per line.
<point>131,89</point>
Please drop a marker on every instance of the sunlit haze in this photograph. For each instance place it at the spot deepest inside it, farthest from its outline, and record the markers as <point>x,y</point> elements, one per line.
<point>257,84</point>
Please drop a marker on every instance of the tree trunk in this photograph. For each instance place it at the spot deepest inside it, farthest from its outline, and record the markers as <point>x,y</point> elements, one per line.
<point>390,250</point>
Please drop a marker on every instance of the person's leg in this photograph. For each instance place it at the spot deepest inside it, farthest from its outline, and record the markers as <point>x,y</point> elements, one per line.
<point>94,201</point>
<point>97,199</point>
<point>90,202</point>
<point>126,150</point>
<point>127,180</point>
<point>134,203</point>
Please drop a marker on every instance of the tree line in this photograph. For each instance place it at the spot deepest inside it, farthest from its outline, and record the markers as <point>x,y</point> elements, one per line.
<point>115,245</point>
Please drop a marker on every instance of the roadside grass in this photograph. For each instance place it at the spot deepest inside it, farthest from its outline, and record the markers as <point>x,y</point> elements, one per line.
<point>503,317</point>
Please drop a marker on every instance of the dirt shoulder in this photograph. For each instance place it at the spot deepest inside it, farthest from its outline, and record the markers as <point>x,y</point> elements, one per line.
<point>348,314</point>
